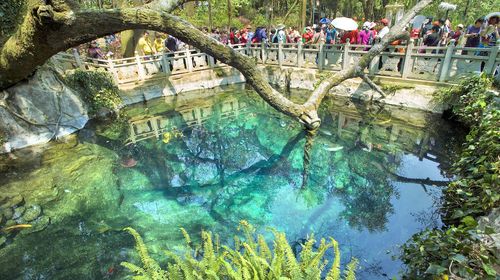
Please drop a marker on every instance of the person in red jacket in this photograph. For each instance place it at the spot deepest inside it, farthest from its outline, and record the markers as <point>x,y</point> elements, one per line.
<point>351,35</point>
<point>307,36</point>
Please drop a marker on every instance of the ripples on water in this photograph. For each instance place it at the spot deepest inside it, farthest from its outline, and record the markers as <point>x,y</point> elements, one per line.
<point>208,162</point>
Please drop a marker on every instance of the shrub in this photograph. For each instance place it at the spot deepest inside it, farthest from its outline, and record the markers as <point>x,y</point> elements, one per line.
<point>457,249</point>
<point>250,259</point>
<point>97,89</point>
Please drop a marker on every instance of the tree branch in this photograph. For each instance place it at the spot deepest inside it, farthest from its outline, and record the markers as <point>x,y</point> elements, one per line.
<point>374,86</point>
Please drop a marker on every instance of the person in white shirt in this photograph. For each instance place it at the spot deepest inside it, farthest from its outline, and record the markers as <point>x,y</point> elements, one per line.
<point>384,30</point>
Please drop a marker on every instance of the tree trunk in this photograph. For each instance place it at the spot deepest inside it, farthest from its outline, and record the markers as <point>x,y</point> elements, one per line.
<point>210,23</point>
<point>304,14</point>
<point>229,12</point>
<point>368,6</point>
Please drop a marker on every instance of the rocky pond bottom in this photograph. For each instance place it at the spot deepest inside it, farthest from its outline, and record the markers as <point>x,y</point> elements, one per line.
<point>210,159</point>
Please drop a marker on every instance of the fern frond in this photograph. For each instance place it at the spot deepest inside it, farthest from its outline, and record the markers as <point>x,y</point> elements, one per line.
<point>132,267</point>
<point>151,268</point>
<point>187,238</point>
<point>334,273</point>
<point>350,273</point>
<point>249,231</point>
<point>307,253</point>
<point>264,251</point>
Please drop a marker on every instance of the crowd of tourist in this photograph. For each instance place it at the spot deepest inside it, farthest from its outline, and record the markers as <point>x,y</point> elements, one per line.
<point>431,33</point>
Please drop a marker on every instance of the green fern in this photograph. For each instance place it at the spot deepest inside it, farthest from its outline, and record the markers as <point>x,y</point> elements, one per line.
<point>253,260</point>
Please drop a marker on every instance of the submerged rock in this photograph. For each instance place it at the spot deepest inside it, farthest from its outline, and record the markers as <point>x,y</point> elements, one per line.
<point>13,201</point>
<point>8,213</point>
<point>32,212</point>
<point>38,225</point>
<point>18,212</point>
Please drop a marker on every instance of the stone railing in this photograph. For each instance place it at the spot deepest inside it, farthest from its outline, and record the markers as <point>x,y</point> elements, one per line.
<point>439,64</point>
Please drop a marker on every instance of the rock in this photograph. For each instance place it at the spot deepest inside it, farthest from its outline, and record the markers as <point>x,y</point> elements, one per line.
<point>3,239</point>
<point>176,181</point>
<point>13,201</point>
<point>8,213</point>
<point>32,212</point>
<point>38,99</point>
<point>38,225</point>
<point>18,212</point>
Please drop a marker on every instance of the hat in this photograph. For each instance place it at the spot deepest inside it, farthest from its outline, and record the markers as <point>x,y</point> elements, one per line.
<point>367,24</point>
<point>280,26</point>
<point>385,21</point>
<point>461,26</point>
<point>372,25</point>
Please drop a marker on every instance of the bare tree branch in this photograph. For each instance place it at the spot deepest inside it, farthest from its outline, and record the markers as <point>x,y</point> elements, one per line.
<point>374,86</point>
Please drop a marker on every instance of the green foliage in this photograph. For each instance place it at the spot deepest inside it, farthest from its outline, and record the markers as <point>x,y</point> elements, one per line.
<point>457,250</point>
<point>97,88</point>
<point>392,88</point>
<point>469,99</point>
<point>251,259</point>
<point>474,193</point>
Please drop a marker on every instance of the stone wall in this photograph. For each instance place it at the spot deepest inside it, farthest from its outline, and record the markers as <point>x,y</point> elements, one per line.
<point>408,93</point>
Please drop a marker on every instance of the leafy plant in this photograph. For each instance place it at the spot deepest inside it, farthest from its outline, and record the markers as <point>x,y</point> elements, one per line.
<point>458,249</point>
<point>250,259</point>
<point>97,88</point>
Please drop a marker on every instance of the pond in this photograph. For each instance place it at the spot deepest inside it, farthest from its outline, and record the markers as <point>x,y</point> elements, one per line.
<point>207,160</point>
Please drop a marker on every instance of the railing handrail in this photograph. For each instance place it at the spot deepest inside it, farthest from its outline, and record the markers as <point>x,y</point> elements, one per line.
<point>413,59</point>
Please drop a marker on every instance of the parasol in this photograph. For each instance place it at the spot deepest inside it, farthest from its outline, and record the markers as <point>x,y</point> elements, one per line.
<point>344,23</point>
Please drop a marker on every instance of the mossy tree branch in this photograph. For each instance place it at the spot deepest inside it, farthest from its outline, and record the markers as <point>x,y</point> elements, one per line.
<point>49,29</point>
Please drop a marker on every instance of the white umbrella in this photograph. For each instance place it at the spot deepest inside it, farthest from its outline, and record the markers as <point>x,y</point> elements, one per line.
<point>344,23</point>
<point>492,14</point>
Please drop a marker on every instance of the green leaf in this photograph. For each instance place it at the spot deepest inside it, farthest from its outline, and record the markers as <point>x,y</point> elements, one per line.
<point>459,258</point>
<point>489,270</point>
<point>469,221</point>
<point>435,269</point>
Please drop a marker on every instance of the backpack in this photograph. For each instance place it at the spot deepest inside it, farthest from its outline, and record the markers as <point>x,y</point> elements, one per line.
<point>275,38</point>
<point>370,39</point>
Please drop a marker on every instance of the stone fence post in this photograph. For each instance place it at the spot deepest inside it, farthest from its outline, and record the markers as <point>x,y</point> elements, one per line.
<point>321,56</point>
<point>345,56</point>
<point>408,62</point>
<point>300,54</point>
<point>140,69</point>
<point>112,70</point>
<point>281,55</point>
<point>164,63</point>
<point>446,64</point>
<point>189,60</point>
<point>489,68</point>
<point>263,52</point>
<point>78,60</point>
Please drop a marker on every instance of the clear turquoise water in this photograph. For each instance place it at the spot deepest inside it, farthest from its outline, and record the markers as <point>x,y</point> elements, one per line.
<point>232,158</point>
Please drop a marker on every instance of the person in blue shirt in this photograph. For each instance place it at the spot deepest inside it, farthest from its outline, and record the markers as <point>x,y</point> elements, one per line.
<point>331,34</point>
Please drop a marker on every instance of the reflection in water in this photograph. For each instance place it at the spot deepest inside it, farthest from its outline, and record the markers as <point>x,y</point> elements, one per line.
<point>206,163</point>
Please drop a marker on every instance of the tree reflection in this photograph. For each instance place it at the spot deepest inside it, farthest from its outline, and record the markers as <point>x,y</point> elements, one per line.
<point>238,150</point>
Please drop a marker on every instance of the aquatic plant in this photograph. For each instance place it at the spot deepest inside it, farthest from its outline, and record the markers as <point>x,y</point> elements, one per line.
<point>251,258</point>
<point>97,89</point>
<point>458,249</point>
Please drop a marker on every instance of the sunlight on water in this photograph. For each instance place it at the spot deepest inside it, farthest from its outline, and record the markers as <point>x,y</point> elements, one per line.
<point>206,161</point>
